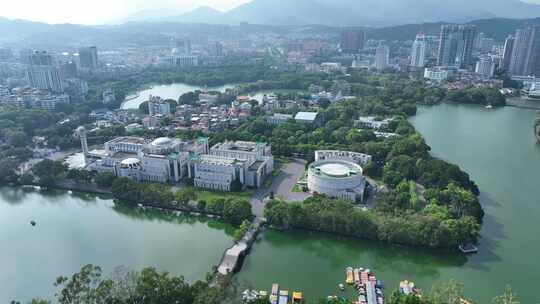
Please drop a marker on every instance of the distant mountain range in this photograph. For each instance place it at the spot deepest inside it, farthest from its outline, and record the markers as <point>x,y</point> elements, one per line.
<point>23,33</point>
<point>373,13</point>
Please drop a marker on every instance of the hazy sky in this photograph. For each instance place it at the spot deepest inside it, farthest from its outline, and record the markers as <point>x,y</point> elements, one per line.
<point>105,11</point>
<point>99,11</point>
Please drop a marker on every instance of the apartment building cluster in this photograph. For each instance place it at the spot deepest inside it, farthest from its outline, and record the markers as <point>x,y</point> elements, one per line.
<point>28,97</point>
<point>205,115</point>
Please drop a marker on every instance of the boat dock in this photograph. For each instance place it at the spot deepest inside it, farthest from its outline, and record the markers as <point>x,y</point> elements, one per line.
<point>366,284</point>
<point>468,248</point>
<point>276,296</point>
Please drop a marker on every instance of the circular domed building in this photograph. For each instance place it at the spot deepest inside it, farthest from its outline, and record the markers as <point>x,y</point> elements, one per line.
<point>130,167</point>
<point>162,141</point>
<point>130,163</point>
<point>337,178</point>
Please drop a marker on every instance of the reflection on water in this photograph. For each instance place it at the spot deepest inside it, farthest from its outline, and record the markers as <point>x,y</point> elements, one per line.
<point>168,91</point>
<point>76,229</point>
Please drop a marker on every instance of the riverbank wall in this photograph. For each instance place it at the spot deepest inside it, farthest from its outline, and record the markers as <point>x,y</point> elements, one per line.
<point>71,186</point>
<point>524,103</point>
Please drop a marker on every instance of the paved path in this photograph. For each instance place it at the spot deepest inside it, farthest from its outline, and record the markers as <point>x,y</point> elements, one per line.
<point>282,186</point>
<point>232,256</point>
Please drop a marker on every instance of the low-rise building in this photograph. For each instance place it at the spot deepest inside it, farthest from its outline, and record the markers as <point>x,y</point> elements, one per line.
<point>158,106</point>
<point>337,178</point>
<point>358,158</point>
<point>436,74</point>
<point>171,160</point>
<point>248,163</point>
<point>209,98</point>
<point>218,172</point>
<point>331,67</point>
<point>161,160</point>
<point>311,118</point>
<point>371,122</point>
<point>278,118</point>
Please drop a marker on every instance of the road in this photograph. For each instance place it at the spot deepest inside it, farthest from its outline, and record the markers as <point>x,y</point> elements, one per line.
<point>282,186</point>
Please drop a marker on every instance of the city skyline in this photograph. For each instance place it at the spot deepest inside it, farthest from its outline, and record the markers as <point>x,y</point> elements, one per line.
<point>103,11</point>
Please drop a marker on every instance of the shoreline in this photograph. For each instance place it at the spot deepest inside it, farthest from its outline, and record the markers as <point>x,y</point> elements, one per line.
<point>195,212</point>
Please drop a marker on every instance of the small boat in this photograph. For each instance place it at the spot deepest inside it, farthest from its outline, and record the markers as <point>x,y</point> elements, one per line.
<point>274,295</point>
<point>468,248</point>
<point>356,274</point>
<point>33,223</point>
<point>341,287</point>
<point>349,272</point>
<point>489,106</point>
<point>297,297</point>
<point>283,297</point>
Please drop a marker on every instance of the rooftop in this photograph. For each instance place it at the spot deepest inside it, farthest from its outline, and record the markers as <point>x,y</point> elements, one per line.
<point>309,116</point>
<point>335,168</point>
<point>162,141</point>
<point>219,160</point>
<point>128,140</point>
<point>256,165</point>
<point>122,155</point>
<point>246,146</point>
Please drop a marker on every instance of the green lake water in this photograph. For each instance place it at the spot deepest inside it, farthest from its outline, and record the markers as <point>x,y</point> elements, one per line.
<point>497,148</point>
<point>77,229</point>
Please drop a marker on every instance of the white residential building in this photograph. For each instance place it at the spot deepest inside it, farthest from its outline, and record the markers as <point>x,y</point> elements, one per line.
<point>485,67</point>
<point>158,106</point>
<point>418,53</point>
<point>330,67</point>
<point>382,57</point>
<point>436,74</point>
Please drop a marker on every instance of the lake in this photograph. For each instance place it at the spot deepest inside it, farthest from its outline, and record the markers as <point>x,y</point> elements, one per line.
<point>498,149</point>
<point>175,90</point>
<point>77,229</point>
<point>167,91</point>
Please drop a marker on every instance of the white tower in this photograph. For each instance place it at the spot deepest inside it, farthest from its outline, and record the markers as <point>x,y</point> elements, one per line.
<point>382,57</point>
<point>81,132</point>
<point>418,53</point>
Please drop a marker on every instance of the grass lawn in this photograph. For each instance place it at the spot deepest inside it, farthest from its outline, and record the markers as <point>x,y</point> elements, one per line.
<point>208,195</point>
<point>296,189</point>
